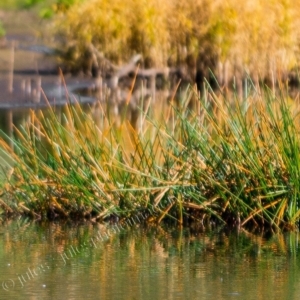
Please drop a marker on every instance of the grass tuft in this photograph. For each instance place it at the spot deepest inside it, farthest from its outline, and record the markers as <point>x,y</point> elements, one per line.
<point>229,161</point>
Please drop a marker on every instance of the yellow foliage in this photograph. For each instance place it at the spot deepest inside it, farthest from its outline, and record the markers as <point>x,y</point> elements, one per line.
<point>260,36</point>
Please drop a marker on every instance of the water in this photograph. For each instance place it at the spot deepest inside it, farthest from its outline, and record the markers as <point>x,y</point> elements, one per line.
<point>61,261</point>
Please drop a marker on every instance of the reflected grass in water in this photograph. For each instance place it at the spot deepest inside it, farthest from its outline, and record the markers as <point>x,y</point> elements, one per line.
<point>160,262</point>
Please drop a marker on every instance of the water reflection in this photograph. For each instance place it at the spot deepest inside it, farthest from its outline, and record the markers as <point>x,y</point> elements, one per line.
<point>10,118</point>
<point>104,114</point>
<point>59,261</point>
<point>6,118</point>
<point>20,118</point>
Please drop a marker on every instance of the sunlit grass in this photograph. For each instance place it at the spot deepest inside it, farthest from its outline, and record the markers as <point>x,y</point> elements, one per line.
<point>230,161</point>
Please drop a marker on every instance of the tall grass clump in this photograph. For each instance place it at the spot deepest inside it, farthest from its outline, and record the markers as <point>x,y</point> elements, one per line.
<point>230,161</point>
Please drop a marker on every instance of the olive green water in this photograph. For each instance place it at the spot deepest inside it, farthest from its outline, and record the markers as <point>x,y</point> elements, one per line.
<point>59,261</point>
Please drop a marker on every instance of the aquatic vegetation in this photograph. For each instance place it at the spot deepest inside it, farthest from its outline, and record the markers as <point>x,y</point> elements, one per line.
<point>227,161</point>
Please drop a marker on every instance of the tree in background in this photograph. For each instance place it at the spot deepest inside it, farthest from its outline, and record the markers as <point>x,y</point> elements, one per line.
<point>232,38</point>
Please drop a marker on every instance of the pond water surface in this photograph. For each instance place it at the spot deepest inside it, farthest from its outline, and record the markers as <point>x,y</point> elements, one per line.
<point>60,261</point>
